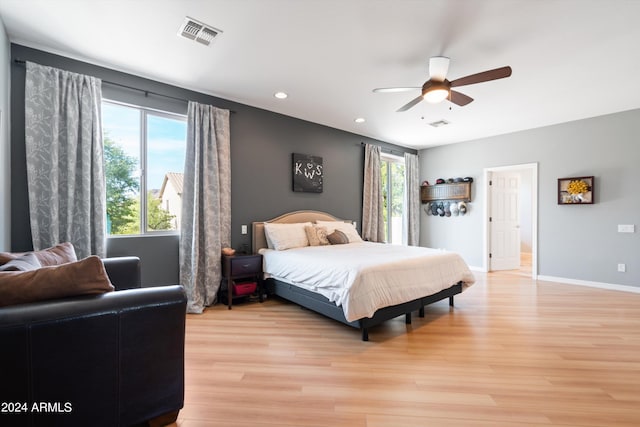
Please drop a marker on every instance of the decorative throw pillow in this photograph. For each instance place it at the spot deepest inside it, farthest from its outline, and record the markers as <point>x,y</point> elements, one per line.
<point>55,255</point>
<point>26,262</point>
<point>346,227</point>
<point>5,257</point>
<point>84,277</point>
<point>317,236</point>
<point>322,235</point>
<point>338,238</point>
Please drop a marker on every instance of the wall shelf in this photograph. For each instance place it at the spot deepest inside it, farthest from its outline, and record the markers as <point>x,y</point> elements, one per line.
<point>456,191</point>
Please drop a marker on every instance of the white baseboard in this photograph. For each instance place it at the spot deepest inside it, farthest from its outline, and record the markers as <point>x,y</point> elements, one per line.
<point>601,285</point>
<point>478,269</point>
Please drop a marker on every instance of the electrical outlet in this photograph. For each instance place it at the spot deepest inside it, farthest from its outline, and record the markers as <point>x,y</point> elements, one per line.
<point>626,228</point>
<point>244,229</point>
<point>622,268</point>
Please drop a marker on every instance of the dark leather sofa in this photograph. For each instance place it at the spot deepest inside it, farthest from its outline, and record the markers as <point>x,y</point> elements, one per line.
<point>115,359</point>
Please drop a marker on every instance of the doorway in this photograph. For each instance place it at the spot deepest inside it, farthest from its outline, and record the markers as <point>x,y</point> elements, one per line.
<point>511,218</point>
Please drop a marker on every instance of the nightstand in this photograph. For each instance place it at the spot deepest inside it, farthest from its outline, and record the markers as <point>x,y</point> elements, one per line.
<point>237,267</point>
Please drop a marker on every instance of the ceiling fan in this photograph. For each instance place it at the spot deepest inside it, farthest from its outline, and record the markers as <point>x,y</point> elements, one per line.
<point>438,88</point>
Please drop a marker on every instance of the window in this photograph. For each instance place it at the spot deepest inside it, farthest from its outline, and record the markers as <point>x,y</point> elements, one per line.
<point>144,162</point>
<point>392,174</point>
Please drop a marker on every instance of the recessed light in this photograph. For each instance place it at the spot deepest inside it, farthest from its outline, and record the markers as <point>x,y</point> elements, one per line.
<point>360,120</point>
<point>280,95</point>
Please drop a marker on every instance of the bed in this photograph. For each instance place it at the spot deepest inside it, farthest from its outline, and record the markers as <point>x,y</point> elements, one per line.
<point>360,284</point>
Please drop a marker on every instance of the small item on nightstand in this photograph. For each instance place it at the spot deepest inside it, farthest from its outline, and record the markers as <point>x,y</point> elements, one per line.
<point>228,251</point>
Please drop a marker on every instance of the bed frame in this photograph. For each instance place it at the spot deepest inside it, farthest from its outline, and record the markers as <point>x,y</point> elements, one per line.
<point>322,305</point>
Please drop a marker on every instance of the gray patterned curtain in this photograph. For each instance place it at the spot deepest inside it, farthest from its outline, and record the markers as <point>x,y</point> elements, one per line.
<point>411,221</point>
<point>65,166</point>
<point>372,203</point>
<point>206,204</point>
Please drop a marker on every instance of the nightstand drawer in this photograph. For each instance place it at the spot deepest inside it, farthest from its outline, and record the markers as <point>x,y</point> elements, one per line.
<point>245,265</point>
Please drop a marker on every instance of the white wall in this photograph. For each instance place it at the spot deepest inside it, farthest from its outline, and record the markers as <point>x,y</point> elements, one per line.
<point>5,163</point>
<point>526,175</point>
<point>574,242</point>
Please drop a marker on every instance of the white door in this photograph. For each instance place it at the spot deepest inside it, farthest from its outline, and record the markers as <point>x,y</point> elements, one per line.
<point>504,220</point>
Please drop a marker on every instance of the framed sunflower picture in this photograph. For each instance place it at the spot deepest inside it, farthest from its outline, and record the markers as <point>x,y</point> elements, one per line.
<point>575,191</point>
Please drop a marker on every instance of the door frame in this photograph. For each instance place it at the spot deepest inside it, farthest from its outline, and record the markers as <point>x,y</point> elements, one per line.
<point>533,167</point>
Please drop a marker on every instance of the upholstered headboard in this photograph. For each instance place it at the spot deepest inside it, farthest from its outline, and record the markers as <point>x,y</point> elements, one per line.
<point>258,239</point>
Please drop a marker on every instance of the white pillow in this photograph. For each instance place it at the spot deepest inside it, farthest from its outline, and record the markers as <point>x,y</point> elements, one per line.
<point>286,236</point>
<point>346,227</point>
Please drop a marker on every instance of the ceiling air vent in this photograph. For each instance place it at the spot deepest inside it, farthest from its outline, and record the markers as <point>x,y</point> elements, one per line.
<point>439,123</point>
<point>195,30</point>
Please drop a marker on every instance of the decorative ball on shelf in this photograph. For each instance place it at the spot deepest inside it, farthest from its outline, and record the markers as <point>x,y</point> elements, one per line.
<point>453,207</point>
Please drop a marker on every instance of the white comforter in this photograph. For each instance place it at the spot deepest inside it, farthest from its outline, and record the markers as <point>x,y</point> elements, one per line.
<point>363,277</point>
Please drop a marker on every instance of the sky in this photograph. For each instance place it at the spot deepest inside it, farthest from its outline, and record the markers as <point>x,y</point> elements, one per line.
<point>166,139</point>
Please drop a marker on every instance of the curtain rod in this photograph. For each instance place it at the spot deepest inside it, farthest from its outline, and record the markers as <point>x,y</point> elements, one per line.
<point>146,92</point>
<point>387,150</point>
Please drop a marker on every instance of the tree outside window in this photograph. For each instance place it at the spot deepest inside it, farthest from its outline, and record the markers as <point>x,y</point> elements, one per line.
<point>392,177</point>
<point>142,148</point>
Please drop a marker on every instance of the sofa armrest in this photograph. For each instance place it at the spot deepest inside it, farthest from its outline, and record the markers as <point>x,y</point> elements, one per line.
<point>90,305</point>
<point>110,359</point>
<point>124,272</point>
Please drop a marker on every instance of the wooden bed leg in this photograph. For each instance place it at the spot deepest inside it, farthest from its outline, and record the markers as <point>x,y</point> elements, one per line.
<point>421,311</point>
<point>407,318</point>
<point>365,334</point>
<point>451,301</point>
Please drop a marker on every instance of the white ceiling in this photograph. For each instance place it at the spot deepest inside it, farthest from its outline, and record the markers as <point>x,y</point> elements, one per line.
<point>571,59</point>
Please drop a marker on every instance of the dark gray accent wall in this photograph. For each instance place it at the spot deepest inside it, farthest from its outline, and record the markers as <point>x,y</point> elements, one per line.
<point>5,177</point>
<point>261,170</point>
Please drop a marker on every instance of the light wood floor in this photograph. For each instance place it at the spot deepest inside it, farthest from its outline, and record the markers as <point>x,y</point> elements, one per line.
<point>512,352</point>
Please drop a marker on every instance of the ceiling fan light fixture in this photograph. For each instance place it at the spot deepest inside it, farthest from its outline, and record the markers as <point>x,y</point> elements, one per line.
<point>436,94</point>
<point>438,87</point>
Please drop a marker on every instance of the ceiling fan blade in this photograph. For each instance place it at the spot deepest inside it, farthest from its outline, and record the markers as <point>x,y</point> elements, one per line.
<point>485,76</point>
<point>409,104</point>
<point>393,89</point>
<point>459,98</point>
<point>438,68</point>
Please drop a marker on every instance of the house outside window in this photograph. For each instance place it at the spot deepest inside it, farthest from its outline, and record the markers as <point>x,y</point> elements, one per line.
<point>392,174</point>
<point>171,196</point>
<point>144,161</point>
